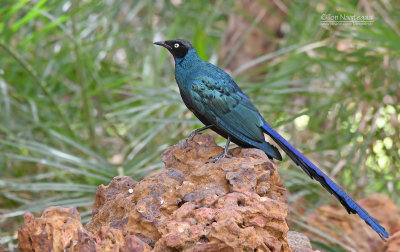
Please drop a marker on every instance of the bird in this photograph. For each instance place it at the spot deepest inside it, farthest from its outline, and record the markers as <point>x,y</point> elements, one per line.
<point>217,101</point>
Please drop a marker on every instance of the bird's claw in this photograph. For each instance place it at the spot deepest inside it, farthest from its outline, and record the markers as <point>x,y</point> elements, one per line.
<point>190,138</point>
<point>218,157</point>
<point>195,132</point>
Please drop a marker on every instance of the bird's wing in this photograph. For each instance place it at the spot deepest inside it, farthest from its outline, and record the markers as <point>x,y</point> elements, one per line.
<point>220,102</point>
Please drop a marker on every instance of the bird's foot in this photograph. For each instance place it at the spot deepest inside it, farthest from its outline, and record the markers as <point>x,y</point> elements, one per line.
<point>190,138</point>
<point>218,157</point>
<point>195,132</point>
<point>192,135</point>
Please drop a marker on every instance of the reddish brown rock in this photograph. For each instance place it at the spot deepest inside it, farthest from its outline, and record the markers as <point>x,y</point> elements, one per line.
<point>55,230</point>
<point>2,249</point>
<point>350,230</point>
<point>236,204</point>
<point>393,244</point>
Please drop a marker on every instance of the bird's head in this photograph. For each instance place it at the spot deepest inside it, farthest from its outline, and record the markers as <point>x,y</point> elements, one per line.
<point>177,47</point>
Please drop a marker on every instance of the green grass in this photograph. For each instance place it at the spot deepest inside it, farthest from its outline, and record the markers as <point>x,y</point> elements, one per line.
<point>85,96</point>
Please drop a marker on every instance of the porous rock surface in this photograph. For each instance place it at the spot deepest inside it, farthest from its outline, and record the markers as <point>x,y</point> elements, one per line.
<point>298,242</point>
<point>393,244</point>
<point>235,204</point>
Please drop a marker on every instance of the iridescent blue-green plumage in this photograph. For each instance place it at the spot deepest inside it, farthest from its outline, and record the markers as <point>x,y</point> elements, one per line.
<point>217,101</point>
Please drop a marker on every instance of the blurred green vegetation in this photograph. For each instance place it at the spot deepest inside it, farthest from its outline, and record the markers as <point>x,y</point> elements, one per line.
<point>85,96</point>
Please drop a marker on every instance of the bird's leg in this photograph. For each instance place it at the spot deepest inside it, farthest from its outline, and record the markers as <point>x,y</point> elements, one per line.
<point>195,132</point>
<point>224,154</point>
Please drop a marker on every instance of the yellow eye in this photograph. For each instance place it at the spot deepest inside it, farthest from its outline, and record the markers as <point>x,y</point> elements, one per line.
<point>176,45</point>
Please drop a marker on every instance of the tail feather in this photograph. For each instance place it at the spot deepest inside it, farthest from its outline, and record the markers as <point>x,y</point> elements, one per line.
<point>350,204</point>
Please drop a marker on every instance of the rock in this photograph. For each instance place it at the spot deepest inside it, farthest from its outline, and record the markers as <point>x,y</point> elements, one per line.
<point>55,230</point>
<point>235,204</point>
<point>351,230</point>
<point>298,242</point>
<point>393,244</point>
<point>195,205</point>
<point>2,249</point>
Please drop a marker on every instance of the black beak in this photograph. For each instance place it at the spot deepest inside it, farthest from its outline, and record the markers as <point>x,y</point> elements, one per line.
<point>163,44</point>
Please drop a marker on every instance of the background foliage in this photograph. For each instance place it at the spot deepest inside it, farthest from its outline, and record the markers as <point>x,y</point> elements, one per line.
<point>85,96</point>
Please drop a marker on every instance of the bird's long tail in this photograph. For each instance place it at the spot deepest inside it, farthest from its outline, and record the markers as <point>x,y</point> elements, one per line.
<point>350,204</point>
